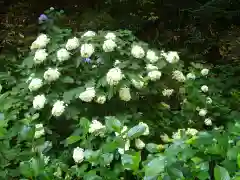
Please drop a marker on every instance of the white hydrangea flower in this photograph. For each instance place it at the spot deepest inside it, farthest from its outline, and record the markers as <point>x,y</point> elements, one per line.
<point>178,75</point>
<point>101,99</point>
<point>165,138</point>
<point>146,130</point>
<point>111,36</point>
<point>191,131</point>
<point>126,147</point>
<point>39,131</point>
<point>137,52</point>
<point>151,56</point>
<point>151,67</point>
<point>78,155</point>
<point>191,76</point>
<point>58,108</point>
<point>109,45</point>
<point>35,84</point>
<point>88,95</point>
<point>208,122</point>
<point>87,50</point>
<point>124,94</point>
<point>154,75</point>
<point>39,101</point>
<point>41,42</point>
<point>72,44</point>
<point>139,144</point>
<point>138,83</point>
<point>167,92</point>
<point>176,135</point>
<point>114,75</point>
<point>89,34</point>
<point>204,71</point>
<point>116,63</point>
<point>40,56</point>
<point>51,74</point>
<point>204,88</point>
<point>63,55</point>
<point>95,126</point>
<point>123,131</point>
<point>202,112</point>
<point>171,57</point>
<point>208,100</point>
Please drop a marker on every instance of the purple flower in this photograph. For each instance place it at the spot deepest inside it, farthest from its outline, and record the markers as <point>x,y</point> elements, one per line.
<point>88,60</point>
<point>42,18</point>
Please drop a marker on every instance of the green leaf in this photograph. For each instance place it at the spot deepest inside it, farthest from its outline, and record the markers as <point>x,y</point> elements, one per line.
<point>106,158</point>
<point>136,131</point>
<point>152,148</point>
<point>28,62</point>
<point>113,124</point>
<point>26,169</point>
<point>220,173</point>
<point>73,139</point>
<point>67,79</point>
<point>238,160</point>
<point>174,172</point>
<point>155,166</point>
<point>131,161</point>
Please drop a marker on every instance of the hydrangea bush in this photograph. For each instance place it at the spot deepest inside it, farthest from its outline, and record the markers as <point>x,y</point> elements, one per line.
<point>79,111</point>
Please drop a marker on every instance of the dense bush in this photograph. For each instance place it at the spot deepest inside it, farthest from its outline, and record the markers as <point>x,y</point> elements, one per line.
<point>99,105</point>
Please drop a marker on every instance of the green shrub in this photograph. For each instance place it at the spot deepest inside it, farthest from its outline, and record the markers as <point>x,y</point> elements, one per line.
<point>85,105</point>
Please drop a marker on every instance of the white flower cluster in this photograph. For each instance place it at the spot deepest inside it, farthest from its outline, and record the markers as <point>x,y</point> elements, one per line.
<point>189,131</point>
<point>146,128</point>
<point>109,45</point>
<point>137,52</point>
<point>138,83</point>
<point>167,92</point>
<point>35,84</point>
<point>124,94</point>
<point>113,76</point>
<point>101,99</point>
<point>72,44</point>
<point>88,95</point>
<point>110,36</point>
<point>191,76</point>
<point>96,127</point>
<point>153,72</point>
<point>51,74</point>
<point>208,121</point>
<point>41,42</point>
<point>39,101</point>
<point>89,34</point>
<point>123,132</point>
<point>58,108</point>
<point>151,67</point>
<point>151,56</point>
<point>139,144</point>
<point>39,131</point>
<point>40,56</point>
<point>204,71</point>
<point>178,75</point>
<point>204,88</point>
<point>63,55</point>
<point>171,56</point>
<point>202,112</point>
<point>87,50</point>
<point>78,155</point>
